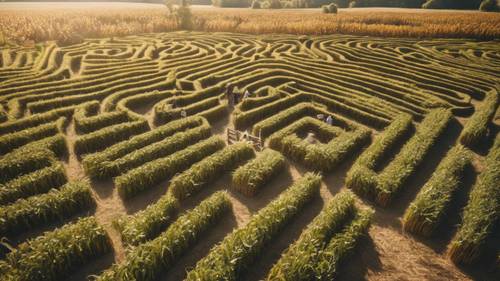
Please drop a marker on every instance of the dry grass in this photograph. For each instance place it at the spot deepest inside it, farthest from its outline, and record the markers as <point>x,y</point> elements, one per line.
<point>71,22</point>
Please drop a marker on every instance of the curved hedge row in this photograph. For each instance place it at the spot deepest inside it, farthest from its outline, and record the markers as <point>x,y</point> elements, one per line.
<point>481,213</point>
<point>229,259</point>
<point>99,140</point>
<point>56,205</point>
<point>148,223</point>
<point>151,173</point>
<point>429,207</point>
<point>56,254</point>
<point>146,261</point>
<point>210,169</point>
<point>93,163</point>
<point>476,128</point>
<point>251,177</point>
<point>34,183</point>
<point>299,260</point>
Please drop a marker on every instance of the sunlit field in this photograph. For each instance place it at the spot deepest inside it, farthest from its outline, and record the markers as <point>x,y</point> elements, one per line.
<point>71,22</point>
<point>257,145</point>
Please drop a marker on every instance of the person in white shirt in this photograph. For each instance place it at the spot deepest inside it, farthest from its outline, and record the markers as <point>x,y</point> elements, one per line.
<point>329,120</point>
<point>247,94</point>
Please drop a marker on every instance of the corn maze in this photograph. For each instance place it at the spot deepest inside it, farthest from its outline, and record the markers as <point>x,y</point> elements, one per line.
<point>141,113</point>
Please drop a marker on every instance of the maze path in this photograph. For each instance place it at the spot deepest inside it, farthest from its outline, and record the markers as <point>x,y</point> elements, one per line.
<point>114,103</point>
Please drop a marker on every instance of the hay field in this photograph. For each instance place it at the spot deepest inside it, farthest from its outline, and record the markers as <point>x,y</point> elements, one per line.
<point>115,162</point>
<point>70,23</point>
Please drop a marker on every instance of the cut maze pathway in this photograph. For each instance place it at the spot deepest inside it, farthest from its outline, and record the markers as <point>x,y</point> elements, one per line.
<point>126,90</point>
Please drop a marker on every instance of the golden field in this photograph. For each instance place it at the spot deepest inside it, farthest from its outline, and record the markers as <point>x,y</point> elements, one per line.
<point>71,22</point>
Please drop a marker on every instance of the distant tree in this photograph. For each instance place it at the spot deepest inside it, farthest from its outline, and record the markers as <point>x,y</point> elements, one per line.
<point>182,14</point>
<point>256,4</point>
<point>275,4</point>
<point>489,6</point>
<point>452,4</point>
<point>332,8</point>
<point>342,3</point>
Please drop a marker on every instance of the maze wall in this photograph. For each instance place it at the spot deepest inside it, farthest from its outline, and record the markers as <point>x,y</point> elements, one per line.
<point>141,110</point>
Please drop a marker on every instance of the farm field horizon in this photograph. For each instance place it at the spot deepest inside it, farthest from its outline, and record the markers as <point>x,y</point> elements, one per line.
<point>231,152</point>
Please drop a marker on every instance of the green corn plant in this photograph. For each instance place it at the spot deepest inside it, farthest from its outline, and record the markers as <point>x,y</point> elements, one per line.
<point>229,259</point>
<point>210,169</point>
<point>148,260</point>
<point>251,177</point>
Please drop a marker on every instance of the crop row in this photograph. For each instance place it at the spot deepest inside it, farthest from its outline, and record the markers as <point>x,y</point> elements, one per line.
<point>286,117</point>
<point>154,151</point>
<point>299,260</point>
<point>105,137</point>
<point>39,119</point>
<point>229,259</point>
<point>37,182</point>
<point>24,161</point>
<point>385,185</point>
<point>148,260</point>
<point>85,125</point>
<point>481,214</point>
<point>429,208</point>
<point>94,164</point>
<point>362,171</point>
<point>56,254</point>
<point>476,129</point>
<point>148,223</point>
<point>56,205</point>
<point>209,169</point>
<point>321,157</point>
<point>251,177</point>
<point>9,142</point>
<point>151,173</point>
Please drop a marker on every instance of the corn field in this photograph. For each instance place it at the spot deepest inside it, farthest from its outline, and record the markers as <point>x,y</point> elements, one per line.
<point>116,161</point>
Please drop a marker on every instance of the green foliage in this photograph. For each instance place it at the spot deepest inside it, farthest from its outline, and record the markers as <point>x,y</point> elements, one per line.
<point>210,169</point>
<point>252,176</point>
<point>321,157</point>
<point>452,4</point>
<point>21,162</point>
<point>298,261</point>
<point>85,125</point>
<point>151,173</point>
<point>412,154</point>
<point>9,142</point>
<point>99,165</point>
<point>156,150</point>
<point>489,6</point>
<point>429,207</point>
<point>361,173</point>
<point>481,214</point>
<point>56,254</point>
<point>182,14</point>
<point>231,3</point>
<point>383,187</point>
<point>341,245</point>
<point>56,205</point>
<point>37,182</point>
<point>99,140</point>
<point>148,223</point>
<point>148,260</point>
<point>476,129</point>
<point>238,250</point>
